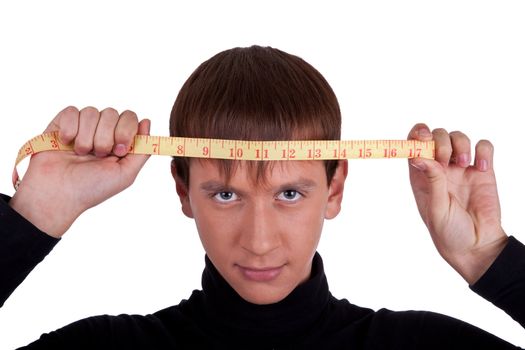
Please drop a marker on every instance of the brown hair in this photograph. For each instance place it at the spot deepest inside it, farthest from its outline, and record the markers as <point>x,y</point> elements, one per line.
<point>255,93</point>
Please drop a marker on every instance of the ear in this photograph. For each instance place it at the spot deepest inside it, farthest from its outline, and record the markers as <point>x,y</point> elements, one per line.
<point>182,191</point>
<point>335,190</point>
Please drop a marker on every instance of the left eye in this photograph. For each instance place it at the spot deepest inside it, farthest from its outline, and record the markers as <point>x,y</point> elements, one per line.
<point>225,196</point>
<point>289,195</point>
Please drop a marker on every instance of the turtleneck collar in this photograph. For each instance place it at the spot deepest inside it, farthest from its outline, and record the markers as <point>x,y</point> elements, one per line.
<point>228,315</point>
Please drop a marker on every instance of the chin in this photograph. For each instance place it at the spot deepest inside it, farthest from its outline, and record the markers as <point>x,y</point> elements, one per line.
<point>263,294</point>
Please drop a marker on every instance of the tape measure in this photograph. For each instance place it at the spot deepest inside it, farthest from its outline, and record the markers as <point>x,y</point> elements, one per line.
<point>249,150</point>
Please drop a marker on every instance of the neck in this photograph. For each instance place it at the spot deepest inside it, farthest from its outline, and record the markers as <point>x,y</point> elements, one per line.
<point>230,314</point>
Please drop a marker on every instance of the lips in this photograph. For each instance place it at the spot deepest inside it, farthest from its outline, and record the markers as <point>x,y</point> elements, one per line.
<point>265,274</point>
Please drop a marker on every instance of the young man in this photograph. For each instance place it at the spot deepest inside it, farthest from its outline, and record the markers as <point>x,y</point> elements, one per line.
<point>260,222</point>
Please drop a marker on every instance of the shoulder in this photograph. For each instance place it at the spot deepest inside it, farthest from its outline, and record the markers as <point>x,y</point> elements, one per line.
<point>164,329</point>
<point>406,329</point>
<point>105,332</point>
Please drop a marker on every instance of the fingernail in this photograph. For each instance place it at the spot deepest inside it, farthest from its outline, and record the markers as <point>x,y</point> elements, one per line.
<point>419,165</point>
<point>120,150</point>
<point>423,132</point>
<point>463,160</point>
<point>483,165</point>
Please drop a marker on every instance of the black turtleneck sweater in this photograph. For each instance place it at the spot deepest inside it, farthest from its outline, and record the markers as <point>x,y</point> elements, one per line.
<point>216,317</point>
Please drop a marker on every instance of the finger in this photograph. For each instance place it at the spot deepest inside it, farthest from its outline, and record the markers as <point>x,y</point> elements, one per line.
<point>460,148</point>
<point>66,123</point>
<point>132,163</point>
<point>443,146</point>
<point>87,125</point>
<point>144,127</point>
<point>484,155</point>
<point>104,134</point>
<point>420,132</point>
<point>125,131</point>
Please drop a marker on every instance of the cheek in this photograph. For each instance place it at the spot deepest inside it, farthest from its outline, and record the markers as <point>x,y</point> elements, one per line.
<point>215,227</point>
<point>303,226</point>
<point>312,212</point>
<point>207,228</point>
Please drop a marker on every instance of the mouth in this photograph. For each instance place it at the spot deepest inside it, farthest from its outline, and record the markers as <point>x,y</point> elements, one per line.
<point>265,274</point>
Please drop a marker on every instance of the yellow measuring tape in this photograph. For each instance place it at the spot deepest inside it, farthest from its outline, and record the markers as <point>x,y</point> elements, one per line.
<point>250,150</point>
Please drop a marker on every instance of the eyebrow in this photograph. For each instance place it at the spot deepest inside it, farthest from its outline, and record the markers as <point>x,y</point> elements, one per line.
<point>302,184</point>
<point>213,186</point>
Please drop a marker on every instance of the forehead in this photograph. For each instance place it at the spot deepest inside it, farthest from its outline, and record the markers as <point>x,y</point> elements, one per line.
<point>252,173</point>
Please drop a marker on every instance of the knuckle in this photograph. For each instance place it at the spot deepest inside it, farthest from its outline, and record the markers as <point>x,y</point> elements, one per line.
<point>130,114</point>
<point>89,110</point>
<point>459,136</point>
<point>70,110</point>
<point>129,118</point>
<point>109,111</point>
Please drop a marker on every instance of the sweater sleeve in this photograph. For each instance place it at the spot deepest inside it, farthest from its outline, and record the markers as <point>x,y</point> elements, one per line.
<point>504,282</point>
<point>22,247</point>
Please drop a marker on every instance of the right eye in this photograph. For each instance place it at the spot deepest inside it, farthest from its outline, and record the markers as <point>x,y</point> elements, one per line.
<point>225,196</point>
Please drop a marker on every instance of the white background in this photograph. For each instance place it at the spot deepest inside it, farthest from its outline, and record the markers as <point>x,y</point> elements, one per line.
<point>452,64</point>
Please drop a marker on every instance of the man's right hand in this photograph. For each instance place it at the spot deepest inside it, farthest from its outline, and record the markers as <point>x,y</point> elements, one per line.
<point>59,186</point>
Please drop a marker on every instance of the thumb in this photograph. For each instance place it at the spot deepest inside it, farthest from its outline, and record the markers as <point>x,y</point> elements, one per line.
<point>132,163</point>
<point>432,180</point>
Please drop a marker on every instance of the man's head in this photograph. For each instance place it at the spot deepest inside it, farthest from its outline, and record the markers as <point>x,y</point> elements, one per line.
<point>259,222</point>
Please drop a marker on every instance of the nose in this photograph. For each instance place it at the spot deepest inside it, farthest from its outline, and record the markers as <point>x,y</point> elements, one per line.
<point>261,233</point>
